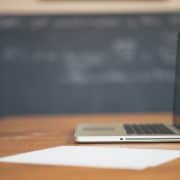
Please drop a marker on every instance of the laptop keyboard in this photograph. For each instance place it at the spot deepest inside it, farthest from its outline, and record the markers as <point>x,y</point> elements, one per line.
<point>177,126</point>
<point>147,129</point>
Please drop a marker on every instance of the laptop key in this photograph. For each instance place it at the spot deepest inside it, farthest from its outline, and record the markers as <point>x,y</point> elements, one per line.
<point>177,126</point>
<point>129,129</point>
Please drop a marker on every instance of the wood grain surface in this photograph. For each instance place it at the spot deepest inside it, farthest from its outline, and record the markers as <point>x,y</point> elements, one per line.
<point>22,134</point>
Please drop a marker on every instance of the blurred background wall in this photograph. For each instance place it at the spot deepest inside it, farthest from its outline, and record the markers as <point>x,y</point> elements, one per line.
<point>100,63</point>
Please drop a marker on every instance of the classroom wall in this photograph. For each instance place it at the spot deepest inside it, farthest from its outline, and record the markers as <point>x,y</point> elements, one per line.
<point>59,64</point>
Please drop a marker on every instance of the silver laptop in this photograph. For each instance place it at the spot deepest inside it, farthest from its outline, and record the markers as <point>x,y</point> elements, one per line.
<point>93,133</point>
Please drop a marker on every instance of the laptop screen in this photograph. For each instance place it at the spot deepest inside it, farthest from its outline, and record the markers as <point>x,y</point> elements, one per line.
<point>177,87</point>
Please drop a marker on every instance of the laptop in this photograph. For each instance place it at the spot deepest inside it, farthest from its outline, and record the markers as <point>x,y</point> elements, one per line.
<point>151,132</point>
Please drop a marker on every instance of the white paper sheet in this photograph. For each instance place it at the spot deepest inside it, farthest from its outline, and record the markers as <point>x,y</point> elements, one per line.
<point>93,156</point>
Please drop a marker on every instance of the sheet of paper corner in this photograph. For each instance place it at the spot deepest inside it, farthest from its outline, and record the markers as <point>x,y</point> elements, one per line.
<point>97,157</point>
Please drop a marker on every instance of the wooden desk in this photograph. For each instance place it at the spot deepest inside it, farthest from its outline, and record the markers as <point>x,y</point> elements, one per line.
<point>21,134</point>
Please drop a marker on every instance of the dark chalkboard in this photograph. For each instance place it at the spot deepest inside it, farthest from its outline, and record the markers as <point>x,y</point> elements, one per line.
<point>87,63</point>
